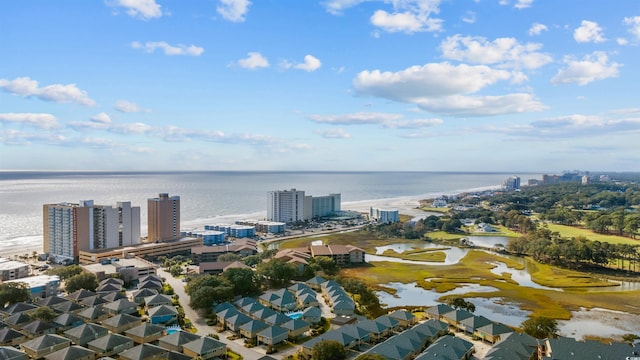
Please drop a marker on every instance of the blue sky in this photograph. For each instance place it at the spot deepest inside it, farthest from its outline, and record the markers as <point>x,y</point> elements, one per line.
<point>426,85</point>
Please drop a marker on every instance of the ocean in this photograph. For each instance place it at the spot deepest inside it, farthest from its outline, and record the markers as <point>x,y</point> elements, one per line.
<point>208,197</point>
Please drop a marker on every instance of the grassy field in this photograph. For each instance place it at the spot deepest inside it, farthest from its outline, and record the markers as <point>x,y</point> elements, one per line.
<point>571,231</point>
<point>476,268</point>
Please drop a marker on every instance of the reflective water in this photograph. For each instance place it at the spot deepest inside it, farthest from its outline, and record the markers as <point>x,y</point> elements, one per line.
<point>411,294</point>
<point>453,254</point>
<point>522,277</point>
<point>488,241</point>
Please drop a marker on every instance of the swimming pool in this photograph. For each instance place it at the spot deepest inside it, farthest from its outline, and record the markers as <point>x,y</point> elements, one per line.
<point>295,315</point>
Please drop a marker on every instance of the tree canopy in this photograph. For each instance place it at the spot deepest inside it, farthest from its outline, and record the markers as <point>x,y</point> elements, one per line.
<point>328,350</point>
<point>540,327</point>
<point>87,281</point>
<point>13,292</point>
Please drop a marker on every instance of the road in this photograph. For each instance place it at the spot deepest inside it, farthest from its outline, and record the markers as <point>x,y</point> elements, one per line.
<point>200,324</point>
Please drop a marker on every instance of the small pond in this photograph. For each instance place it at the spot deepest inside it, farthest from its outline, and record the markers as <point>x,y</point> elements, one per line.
<point>488,241</point>
<point>495,309</point>
<point>599,322</point>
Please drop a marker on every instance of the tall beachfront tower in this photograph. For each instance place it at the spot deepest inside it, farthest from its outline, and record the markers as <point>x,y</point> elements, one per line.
<point>163,218</point>
<point>285,206</point>
<point>70,228</point>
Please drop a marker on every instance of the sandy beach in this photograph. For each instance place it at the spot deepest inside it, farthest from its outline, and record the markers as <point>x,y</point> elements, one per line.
<point>405,205</point>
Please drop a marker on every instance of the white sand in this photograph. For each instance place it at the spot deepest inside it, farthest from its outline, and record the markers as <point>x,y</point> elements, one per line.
<point>405,205</point>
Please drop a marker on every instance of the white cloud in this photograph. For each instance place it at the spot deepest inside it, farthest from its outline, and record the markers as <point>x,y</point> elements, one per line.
<point>337,133</point>
<point>233,10</point>
<point>128,107</point>
<point>386,120</point>
<point>537,29</point>
<point>523,4</point>
<point>445,88</point>
<point>408,16</point>
<point>58,93</point>
<point>432,80</point>
<point>142,9</point>
<point>469,17</point>
<point>311,63</point>
<point>37,120</point>
<point>14,137</point>
<point>505,51</point>
<point>336,7</point>
<point>622,41</point>
<point>170,50</point>
<point>634,26</point>
<point>255,60</point>
<point>574,126</point>
<point>459,105</point>
<point>101,118</point>
<point>595,66</point>
<point>588,31</point>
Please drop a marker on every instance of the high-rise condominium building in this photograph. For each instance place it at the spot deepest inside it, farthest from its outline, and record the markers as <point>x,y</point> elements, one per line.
<point>163,218</point>
<point>69,228</point>
<point>323,206</point>
<point>285,206</point>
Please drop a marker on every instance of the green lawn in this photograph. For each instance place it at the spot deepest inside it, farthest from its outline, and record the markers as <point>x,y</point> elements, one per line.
<point>572,231</point>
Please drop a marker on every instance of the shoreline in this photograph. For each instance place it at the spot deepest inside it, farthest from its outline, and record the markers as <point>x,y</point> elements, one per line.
<point>406,205</point>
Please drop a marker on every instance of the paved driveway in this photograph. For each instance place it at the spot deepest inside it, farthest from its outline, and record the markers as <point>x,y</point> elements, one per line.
<point>200,324</point>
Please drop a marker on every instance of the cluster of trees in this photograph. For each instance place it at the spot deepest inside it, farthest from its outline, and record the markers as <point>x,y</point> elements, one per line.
<point>75,278</point>
<point>461,303</point>
<point>206,290</point>
<point>540,327</point>
<point>549,247</point>
<point>366,298</point>
<point>13,292</point>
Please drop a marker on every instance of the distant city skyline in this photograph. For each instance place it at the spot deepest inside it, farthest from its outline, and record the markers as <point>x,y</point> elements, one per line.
<point>327,85</point>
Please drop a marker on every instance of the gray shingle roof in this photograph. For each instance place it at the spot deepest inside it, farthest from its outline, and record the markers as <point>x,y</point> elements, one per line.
<point>204,345</point>
<point>45,341</point>
<point>70,353</point>
<point>109,341</point>
<point>145,329</point>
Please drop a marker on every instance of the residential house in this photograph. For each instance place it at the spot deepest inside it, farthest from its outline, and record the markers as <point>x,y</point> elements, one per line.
<point>492,332</point>
<point>157,300</point>
<point>234,321</point>
<point>205,348</point>
<point>11,353</point>
<point>277,318</point>
<point>44,345</point>
<point>82,334</point>
<point>312,315</point>
<point>272,335</point>
<point>68,307</point>
<point>454,318</point>
<point>175,341</point>
<point>122,306</point>
<point>296,328</point>
<point>16,321</point>
<point>110,345</point>
<point>140,295</point>
<point>448,348</point>
<point>20,307</point>
<point>437,311</point>
<point>37,328</point>
<point>316,282</point>
<point>251,328</point>
<point>514,346</point>
<point>150,352</point>
<point>405,318</point>
<point>80,294</point>
<point>94,314</point>
<point>73,352</point>
<point>11,337</point>
<point>120,323</point>
<point>162,314</point>
<point>470,324</point>
<point>67,321</point>
<point>145,333</point>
